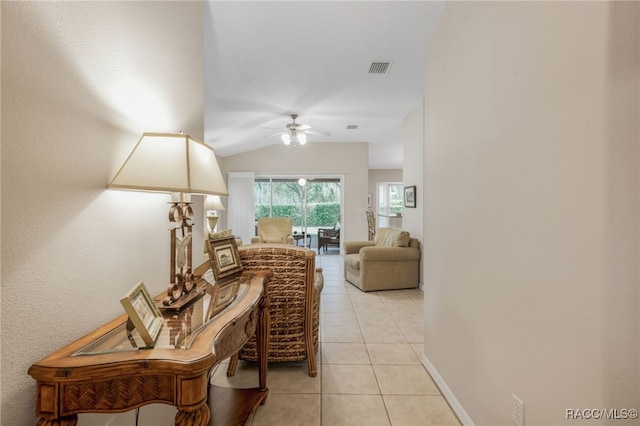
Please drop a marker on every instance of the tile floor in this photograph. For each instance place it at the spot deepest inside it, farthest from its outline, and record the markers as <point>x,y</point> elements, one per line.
<point>369,369</point>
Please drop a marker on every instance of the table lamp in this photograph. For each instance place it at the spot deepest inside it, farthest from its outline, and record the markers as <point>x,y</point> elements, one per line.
<point>212,204</point>
<point>181,165</point>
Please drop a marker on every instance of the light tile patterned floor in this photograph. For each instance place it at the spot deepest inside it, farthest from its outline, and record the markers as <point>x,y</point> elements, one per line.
<point>369,369</point>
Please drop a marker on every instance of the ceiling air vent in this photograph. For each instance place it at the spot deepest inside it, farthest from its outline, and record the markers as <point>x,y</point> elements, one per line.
<point>352,126</point>
<point>379,67</point>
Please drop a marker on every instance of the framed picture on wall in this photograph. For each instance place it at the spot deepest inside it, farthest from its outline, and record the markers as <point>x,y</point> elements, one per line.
<point>410,196</point>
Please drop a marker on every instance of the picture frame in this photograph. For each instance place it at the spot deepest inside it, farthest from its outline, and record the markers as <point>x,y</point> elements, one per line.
<point>223,293</point>
<point>143,313</point>
<point>410,196</point>
<point>224,257</point>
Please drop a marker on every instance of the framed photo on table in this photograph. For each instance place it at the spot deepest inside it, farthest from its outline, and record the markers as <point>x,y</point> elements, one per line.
<point>224,257</point>
<point>226,266</point>
<point>143,313</point>
<point>410,196</point>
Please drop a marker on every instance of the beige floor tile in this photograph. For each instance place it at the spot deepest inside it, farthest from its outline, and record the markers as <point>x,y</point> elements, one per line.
<point>418,348</point>
<point>246,376</point>
<point>289,409</point>
<point>338,318</point>
<point>334,297</point>
<point>349,379</point>
<point>414,333</point>
<point>402,305</point>
<point>335,306</point>
<point>404,380</point>
<point>364,301</point>
<point>407,315</point>
<point>334,288</point>
<point>382,334</point>
<point>353,410</point>
<point>341,333</point>
<point>394,295</point>
<point>345,353</point>
<point>372,318</point>
<point>392,353</point>
<point>285,377</point>
<point>427,410</point>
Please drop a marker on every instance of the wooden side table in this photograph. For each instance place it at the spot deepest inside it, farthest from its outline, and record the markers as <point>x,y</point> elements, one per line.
<point>102,372</point>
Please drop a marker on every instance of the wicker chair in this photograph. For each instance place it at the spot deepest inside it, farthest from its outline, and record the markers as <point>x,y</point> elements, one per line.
<point>294,293</point>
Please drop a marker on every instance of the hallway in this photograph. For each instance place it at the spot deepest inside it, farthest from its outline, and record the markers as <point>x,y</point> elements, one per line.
<point>369,369</point>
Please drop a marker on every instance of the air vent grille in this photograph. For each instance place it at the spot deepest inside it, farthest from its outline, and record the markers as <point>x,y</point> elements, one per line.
<point>352,126</point>
<point>379,67</point>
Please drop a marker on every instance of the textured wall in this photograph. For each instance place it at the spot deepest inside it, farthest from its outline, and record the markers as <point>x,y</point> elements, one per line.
<point>532,165</point>
<point>81,81</point>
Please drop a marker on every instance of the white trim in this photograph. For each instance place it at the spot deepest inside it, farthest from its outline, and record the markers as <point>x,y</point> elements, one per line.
<point>456,406</point>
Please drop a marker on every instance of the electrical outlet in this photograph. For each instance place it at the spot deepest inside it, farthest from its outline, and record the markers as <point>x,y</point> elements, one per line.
<point>517,411</point>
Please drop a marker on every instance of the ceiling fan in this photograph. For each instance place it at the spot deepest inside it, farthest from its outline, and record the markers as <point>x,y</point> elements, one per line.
<point>296,133</point>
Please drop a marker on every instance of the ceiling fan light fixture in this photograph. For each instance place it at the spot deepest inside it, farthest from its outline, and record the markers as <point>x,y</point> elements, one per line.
<point>286,138</point>
<point>302,138</point>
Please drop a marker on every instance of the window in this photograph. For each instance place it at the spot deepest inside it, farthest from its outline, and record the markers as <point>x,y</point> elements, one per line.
<point>389,202</point>
<point>316,204</point>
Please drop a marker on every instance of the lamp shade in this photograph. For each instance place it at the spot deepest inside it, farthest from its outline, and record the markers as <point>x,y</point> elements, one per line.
<point>213,202</point>
<point>165,162</point>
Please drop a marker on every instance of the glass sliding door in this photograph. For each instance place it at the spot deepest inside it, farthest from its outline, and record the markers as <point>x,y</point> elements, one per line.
<point>310,202</point>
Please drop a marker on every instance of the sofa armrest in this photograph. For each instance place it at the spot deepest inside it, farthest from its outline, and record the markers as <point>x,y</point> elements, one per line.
<point>289,240</point>
<point>255,240</point>
<point>389,254</point>
<point>355,246</point>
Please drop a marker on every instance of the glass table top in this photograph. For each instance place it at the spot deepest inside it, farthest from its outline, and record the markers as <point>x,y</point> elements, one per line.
<point>179,329</point>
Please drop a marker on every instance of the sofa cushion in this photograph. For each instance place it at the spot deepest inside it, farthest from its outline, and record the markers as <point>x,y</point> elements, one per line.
<point>391,237</point>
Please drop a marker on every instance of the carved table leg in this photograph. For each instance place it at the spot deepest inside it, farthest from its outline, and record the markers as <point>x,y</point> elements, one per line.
<point>199,417</point>
<point>262,340</point>
<point>63,421</point>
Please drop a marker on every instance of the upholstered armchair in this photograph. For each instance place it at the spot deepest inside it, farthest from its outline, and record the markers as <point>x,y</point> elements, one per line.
<point>390,261</point>
<point>274,230</point>
<point>294,294</point>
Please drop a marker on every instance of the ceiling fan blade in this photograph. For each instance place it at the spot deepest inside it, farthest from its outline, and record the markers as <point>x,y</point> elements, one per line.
<point>315,132</point>
<point>277,134</point>
<point>303,127</point>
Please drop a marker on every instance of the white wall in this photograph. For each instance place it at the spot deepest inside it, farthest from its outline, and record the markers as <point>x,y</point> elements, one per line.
<point>531,204</point>
<point>81,81</point>
<point>350,159</point>
<point>413,169</point>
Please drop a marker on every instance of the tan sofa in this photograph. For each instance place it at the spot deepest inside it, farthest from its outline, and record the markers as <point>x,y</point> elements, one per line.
<point>391,261</point>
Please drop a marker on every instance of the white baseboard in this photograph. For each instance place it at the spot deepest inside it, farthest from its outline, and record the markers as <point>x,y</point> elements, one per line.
<point>456,406</point>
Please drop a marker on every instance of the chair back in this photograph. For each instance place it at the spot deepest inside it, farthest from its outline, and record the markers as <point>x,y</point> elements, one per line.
<point>274,229</point>
<point>294,294</point>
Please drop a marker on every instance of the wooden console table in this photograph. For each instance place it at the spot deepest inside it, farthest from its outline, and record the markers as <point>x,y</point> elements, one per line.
<point>102,372</point>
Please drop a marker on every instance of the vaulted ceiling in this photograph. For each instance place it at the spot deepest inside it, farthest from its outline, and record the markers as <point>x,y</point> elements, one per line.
<point>266,60</point>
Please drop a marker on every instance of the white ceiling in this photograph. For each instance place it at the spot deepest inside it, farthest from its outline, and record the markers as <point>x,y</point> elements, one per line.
<point>265,60</point>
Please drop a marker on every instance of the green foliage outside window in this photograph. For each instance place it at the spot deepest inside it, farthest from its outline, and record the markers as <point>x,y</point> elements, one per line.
<point>323,201</point>
<point>318,215</point>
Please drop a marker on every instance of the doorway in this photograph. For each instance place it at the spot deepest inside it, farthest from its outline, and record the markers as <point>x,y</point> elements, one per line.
<point>312,202</point>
